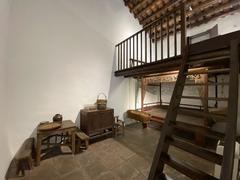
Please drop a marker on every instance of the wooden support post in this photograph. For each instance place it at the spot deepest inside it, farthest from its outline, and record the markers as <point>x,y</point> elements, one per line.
<point>216,91</point>
<point>143,86</point>
<point>229,140</point>
<point>199,138</point>
<point>160,93</point>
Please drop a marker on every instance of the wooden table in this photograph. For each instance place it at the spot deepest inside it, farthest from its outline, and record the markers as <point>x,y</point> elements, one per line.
<point>67,126</point>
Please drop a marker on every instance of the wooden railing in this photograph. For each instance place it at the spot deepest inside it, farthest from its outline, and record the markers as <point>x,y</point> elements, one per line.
<point>163,38</point>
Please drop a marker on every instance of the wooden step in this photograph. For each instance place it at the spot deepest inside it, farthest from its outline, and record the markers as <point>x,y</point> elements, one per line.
<point>212,71</point>
<point>208,60</point>
<point>209,84</point>
<point>209,98</point>
<point>215,117</point>
<point>185,168</point>
<point>195,150</point>
<point>198,129</point>
<point>210,55</point>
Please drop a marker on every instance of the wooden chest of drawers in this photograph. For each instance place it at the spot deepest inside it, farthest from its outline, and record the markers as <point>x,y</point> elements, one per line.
<point>97,122</point>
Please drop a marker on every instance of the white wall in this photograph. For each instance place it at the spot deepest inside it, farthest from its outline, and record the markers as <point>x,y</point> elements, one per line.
<point>61,55</point>
<point>4,151</point>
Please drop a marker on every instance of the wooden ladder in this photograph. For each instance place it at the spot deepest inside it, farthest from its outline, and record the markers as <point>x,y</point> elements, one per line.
<point>167,138</point>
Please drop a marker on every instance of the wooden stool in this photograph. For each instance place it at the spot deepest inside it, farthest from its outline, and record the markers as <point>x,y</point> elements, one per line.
<point>24,157</point>
<point>81,137</point>
<point>119,126</point>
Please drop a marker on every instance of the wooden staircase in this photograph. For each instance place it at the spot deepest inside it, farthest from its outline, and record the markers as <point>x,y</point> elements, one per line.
<point>228,56</point>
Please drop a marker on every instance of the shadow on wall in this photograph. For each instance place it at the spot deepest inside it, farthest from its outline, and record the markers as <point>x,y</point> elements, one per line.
<point>77,121</point>
<point>118,94</point>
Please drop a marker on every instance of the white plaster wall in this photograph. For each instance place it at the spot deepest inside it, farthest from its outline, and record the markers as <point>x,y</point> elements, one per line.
<point>4,150</point>
<point>61,54</point>
<point>226,24</point>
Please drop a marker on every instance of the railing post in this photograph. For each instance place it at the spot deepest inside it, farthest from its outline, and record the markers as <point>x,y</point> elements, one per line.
<point>118,58</point>
<point>175,34</point>
<point>183,28</point>
<point>124,55</point>
<point>161,39</point>
<point>150,43</point>
<point>155,40</point>
<point>145,45</point>
<point>168,41</point>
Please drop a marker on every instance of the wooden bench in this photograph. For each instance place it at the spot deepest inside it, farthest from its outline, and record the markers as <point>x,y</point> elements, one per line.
<point>24,156</point>
<point>143,117</point>
<point>81,138</point>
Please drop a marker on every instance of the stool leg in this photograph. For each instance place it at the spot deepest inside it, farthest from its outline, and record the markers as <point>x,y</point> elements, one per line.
<point>86,143</point>
<point>77,146</point>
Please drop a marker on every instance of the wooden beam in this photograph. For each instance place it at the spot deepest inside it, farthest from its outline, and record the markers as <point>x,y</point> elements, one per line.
<point>143,10</point>
<point>205,19</point>
<point>140,4</point>
<point>159,12</point>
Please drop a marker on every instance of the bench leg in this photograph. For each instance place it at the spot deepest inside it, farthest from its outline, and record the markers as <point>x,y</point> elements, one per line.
<point>144,125</point>
<point>77,146</point>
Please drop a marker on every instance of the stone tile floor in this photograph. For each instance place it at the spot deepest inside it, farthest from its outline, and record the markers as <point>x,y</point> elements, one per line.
<point>126,157</point>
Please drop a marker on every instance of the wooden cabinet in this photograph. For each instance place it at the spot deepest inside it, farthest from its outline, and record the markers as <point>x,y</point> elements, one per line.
<point>97,122</point>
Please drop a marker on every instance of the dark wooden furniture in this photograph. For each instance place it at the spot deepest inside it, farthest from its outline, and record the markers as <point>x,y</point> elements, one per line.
<point>24,157</point>
<point>23,160</point>
<point>67,127</point>
<point>119,126</point>
<point>82,140</point>
<point>97,123</point>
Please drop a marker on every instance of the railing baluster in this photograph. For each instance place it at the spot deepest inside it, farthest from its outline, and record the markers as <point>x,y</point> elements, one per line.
<point>150,45</point>
<point>155,37</point>
<point>175,34</point>
<point>146,46</point>
<point>133,51</point>
<point>183,28</point>
<point>168,42</point>
<point>161,38</point>
<point>121,57</point>
<point>124,55</point>
<point>141,49</point>
<point>118,62</point>
<point>137,50</point>
<point>127,54</point>
<point>130,53</point>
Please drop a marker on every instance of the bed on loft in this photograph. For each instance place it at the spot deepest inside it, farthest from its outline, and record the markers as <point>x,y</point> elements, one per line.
<point>165,79</point>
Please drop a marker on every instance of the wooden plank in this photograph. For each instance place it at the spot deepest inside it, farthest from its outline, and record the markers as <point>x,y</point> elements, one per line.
<point>196,150</point>
<point>213,44</point>
<point>229,141</point>
<point>186,169</point>
<point>209,98</point>
<point>209,84</point>
<point>208,60</point>
<point>213,71</point>
<point>198,129</point>
<point>198,113</point>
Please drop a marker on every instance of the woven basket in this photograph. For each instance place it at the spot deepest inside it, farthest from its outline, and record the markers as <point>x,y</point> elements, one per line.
<point>101,103</point>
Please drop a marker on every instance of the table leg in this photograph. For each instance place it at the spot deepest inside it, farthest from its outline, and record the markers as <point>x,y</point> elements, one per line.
<point>38,149</point>
<point>73,142</point>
